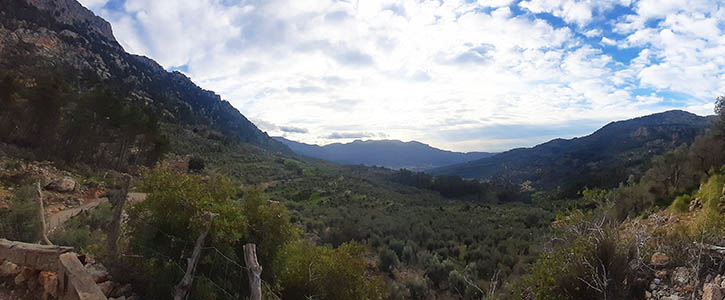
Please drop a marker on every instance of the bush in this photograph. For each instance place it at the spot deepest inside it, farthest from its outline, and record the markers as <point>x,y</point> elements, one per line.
<point>681,203</point>
<point>388,260</point>
<point>22,222</point>
<point>595,261</point>
<point>711,191</point>
<point>196,164</point>
<point>84,230</point>
<point>327,273</point>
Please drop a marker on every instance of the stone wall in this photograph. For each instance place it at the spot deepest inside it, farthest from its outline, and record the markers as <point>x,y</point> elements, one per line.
<point>54,270</point>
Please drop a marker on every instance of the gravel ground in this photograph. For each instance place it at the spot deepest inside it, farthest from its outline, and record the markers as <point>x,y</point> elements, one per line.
<point>8,294</point>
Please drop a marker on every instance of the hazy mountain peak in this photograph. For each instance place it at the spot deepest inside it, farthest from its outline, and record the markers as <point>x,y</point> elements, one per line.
<point>388,153</point>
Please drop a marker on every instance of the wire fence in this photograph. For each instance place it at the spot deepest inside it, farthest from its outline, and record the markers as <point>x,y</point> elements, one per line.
<point>222,272</point>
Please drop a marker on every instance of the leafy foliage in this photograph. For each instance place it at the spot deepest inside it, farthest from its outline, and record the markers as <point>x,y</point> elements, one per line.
<point>95,126</point>
<point>311,271</point>
<point>196,164</point>
<point>22,222</point>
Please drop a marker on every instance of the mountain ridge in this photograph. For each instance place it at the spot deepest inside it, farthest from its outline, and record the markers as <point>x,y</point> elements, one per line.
<point>40,36</point>
<point>549,165</point>
<point>393,154</point>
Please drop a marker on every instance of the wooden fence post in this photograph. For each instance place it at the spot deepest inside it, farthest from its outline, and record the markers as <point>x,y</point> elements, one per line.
<point>254,271</point>
<point>181,290</point>
<point>41,211</point>
<point>118,201</point>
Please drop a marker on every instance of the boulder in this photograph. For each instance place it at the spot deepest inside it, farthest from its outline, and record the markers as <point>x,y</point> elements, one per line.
<point>659,259</point>
<point>8,268</point>
<point>25,275</point>
<point>107,287</point>
<point>123,291</point>
<point>49,282</point>
<point>98,272</point>
<point>711,292</point>
<point>695,204</point>
<point>62,185</point>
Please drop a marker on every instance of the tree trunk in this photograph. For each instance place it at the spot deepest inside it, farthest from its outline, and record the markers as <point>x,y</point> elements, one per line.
<point>41,215</point>
<point>118,201</point>
<point>254,271</point>
<point>181,291</point>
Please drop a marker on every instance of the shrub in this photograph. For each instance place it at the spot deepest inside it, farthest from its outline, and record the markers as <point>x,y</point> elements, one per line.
<point>84,230</point>
<point>595,261</point>
<point>681,203</point>
<point>22,222</point>
<point>196,164</point>
<point>711,191</point>
<point>327,273</point>
<point>388,260</point>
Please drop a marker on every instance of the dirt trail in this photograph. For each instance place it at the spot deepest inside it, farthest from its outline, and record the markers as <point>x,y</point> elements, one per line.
<point>57,219</point>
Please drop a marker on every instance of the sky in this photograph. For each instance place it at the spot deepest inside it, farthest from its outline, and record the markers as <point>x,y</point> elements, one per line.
<point>486,75</point>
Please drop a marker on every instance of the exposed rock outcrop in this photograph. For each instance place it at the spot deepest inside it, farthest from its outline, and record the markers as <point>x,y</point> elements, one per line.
<point>62,185</point>
<point>73,13</point>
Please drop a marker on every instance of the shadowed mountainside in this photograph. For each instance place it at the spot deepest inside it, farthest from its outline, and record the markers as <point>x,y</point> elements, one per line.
<point>604,158</point>
<point>42,37</point>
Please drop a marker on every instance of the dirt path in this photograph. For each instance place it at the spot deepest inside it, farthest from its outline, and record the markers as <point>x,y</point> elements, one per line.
<point>57,219</point>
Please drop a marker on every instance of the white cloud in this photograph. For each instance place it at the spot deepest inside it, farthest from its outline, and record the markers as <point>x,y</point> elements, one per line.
<point>608,42</point>
<point>495,3</point>
<point>93,4</point>
<point>685,50</point>
<point>578,12</point>
<point>592,33</point>
<point>413,68</point>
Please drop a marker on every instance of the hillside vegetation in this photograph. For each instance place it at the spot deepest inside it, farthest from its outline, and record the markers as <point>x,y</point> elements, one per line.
<point>586,218</point>
<point>604,158</point>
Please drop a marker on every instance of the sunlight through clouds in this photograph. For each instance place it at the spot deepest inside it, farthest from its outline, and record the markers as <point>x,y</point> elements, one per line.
<point>415,70</point>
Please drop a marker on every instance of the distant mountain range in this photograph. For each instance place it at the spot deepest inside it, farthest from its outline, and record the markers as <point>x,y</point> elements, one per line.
<point>387,153</point>
<point>604,158</point>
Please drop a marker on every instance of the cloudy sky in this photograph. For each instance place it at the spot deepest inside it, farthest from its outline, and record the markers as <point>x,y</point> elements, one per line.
<point>484,75</point>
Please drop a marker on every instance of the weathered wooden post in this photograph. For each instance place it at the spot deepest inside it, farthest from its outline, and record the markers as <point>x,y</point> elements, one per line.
<point>41,212</point>
<point>118,201</point>
<point>254,271</point>
<point>181,290</point>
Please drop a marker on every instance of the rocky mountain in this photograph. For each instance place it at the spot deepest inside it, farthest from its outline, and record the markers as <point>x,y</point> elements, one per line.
<point>41,37</point>
<point>387,153</point>
<point>604,158</point>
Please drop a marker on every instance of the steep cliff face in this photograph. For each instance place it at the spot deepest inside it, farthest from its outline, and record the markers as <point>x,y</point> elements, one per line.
<point>38,37</point>
<point>73,13</point>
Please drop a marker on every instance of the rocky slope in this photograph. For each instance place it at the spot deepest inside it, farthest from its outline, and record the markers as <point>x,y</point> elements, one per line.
<point>40,37</point>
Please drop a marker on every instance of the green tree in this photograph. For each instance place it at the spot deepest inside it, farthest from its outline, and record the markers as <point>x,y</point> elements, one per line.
<point>269,228</point>
<point>313,272</point>
<point>164,226</point>
<point>196,164</point>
